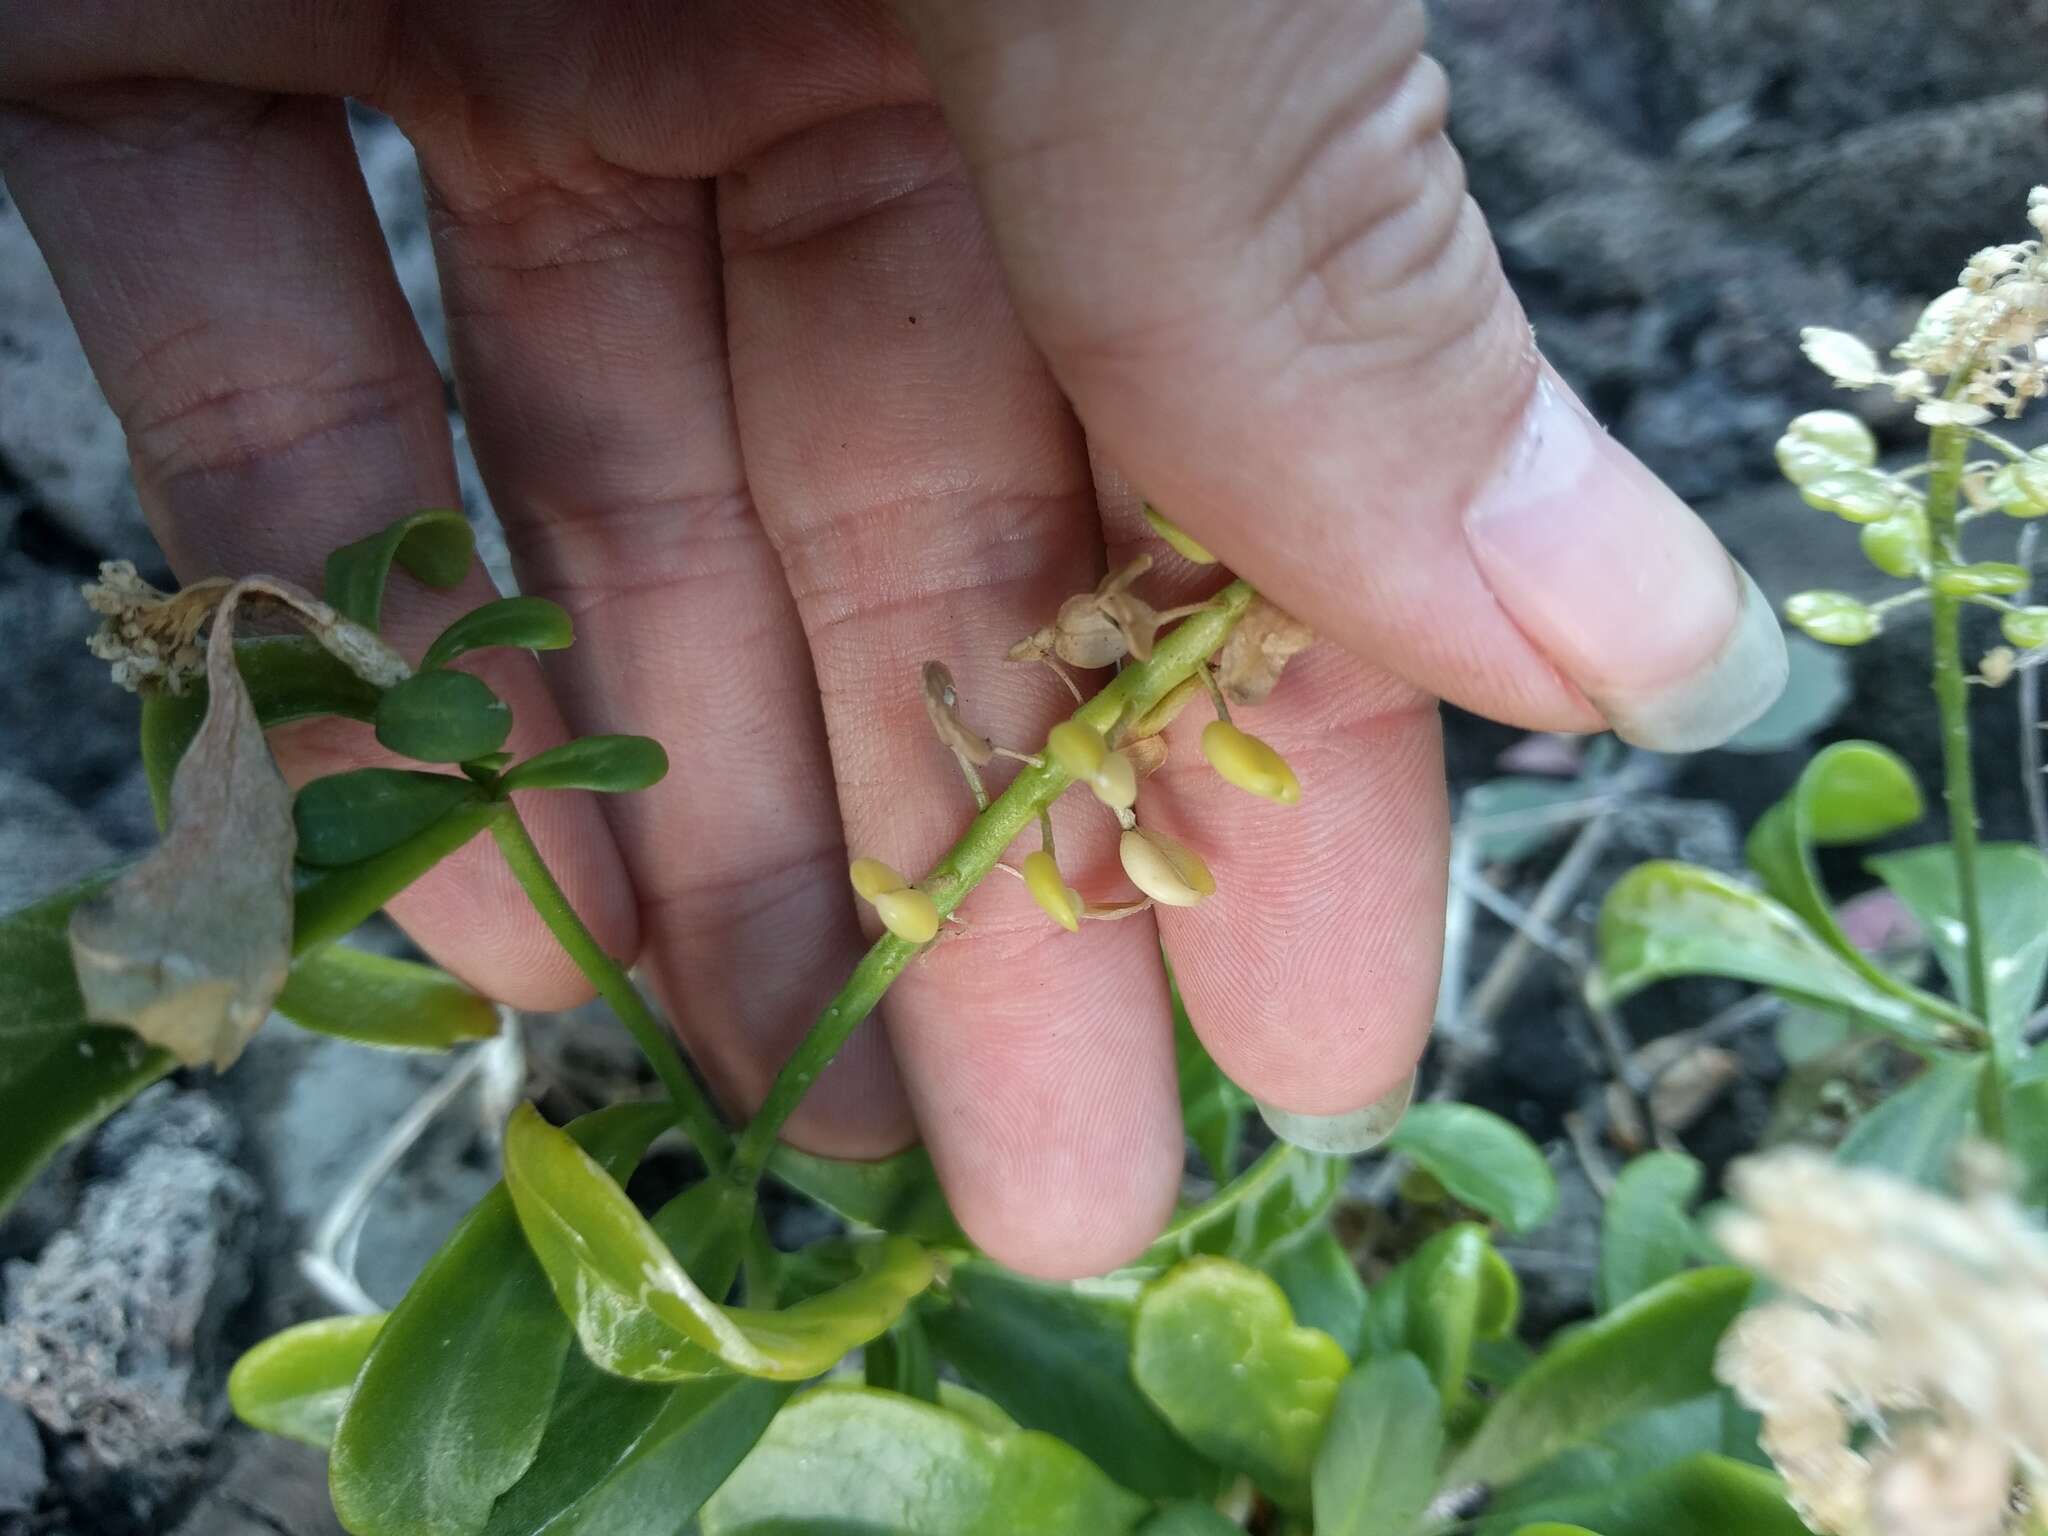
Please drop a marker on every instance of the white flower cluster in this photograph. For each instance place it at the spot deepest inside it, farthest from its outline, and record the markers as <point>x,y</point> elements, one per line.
<point>1903,1378</point>
<point>1976,351</point>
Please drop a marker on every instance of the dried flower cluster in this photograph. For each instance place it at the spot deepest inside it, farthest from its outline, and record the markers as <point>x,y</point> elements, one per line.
<point>1098,628</point>
<point>150,637</point>
<point>1901,1379</point>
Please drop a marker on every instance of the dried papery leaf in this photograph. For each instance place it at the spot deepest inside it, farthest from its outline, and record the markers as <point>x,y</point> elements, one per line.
<point>1121,578</point>
<point>1688,1088</point>
<point>1114,911</point>
<point>942,704</point>
<point>190,948</point>
<point>356,647</point>
<point>1265,640</point>
<point>1147,754</point>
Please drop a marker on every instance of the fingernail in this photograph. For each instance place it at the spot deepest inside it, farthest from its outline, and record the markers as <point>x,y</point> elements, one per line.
<point>1355,1130</point>
<point>1621,586</point>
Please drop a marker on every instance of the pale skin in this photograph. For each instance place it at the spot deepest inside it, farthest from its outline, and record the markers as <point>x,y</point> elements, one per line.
<point>802,341</point>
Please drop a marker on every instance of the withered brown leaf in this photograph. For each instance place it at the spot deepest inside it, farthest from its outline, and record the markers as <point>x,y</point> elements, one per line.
<point>190,947</point>
<point>1265,639</point>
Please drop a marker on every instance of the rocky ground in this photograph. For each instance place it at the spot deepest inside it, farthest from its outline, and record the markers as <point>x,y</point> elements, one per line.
<point>1677,188</point>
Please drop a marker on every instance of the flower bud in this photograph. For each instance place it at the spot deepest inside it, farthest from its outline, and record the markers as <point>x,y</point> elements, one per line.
<point>1052,893</point>
<point>1898,545</point>
<point>2021,489</point>
<point>1078,749</point>
<point>872,878</point>
<point>905,911</point>
<point>1116,782</point>
<point>1995,668</point>
<point>1834,618</point>
<point>1854,495</point>
<point>2026,628</point>
<point>1249,763</point>
<point>1989,577</point>
<point>1168,871</point>
<point>1183,546</point>
<point>1823,443</point>
<point>1081,753</point>
<point>909,914</point>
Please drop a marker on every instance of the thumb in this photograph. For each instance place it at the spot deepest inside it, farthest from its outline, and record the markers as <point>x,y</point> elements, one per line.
<point>1243,242</point>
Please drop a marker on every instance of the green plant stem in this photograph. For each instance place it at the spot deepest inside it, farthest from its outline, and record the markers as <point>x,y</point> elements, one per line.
<point>1136,689</point>
<point>694,1114</point>
<point>1951,697</point>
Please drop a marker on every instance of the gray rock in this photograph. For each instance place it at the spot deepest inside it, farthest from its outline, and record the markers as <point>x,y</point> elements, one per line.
<point>62,720</point>
<point>114,1336</point>
<point>46,842</point>
<point>262,1486</point>
<point>392,172</point>
<point>58,439</point>
<point>23,1472</point>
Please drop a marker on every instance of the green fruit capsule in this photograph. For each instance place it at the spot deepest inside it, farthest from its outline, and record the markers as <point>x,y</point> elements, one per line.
<point>1824,443</point>
<point>1833,618</point>
<point>1990,578</point>
<point>1855,495</point>
<point>1897,545</point>
<point>2025,628</point>
<point>2021,489</point>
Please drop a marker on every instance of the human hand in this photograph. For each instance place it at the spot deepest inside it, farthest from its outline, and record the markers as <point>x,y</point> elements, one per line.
<point>803,340</point>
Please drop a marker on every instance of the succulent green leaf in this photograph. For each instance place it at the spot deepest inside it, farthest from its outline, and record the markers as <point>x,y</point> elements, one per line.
<point>614,765</point>
<point>1656,1348</point>
<point>2012,881</point>
<point>1440,1303</point>
<point>327,904</point>
<point>295,1383</point>
<point>1484,1161</point>
<point>1058,1358</point>
<point>59,1075</point>
<point>622,1458</point>
<point>1511,803</point>
<point>1375,1470</point>
<point>289,678</point>
<point>453,1401</point>
<point>1274,1203</point>
<point>347,818</point>
<point>1646,1232</point>
<point>435,547</point>
<point>1553,1528</point>
<point>853,1461</point>
<point>1324,1288</point>
<point>1705,1495</point>
<point>899,1194</point>
<point>1916,1131</point>
<point>1852,792</point>
<point>634,1306</point>
<point>1665,919</point>
<point>443,717</point>
<point>901,1360</point>
<point>1217,1351</point>
<point>376,1000</point>
<point>1190,1520</point>
<point>528,623</point>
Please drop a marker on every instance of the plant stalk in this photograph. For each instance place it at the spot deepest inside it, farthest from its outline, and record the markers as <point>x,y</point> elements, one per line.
<point>1951,697</point>
<point>694,1113</point>
<point>1136,689</point>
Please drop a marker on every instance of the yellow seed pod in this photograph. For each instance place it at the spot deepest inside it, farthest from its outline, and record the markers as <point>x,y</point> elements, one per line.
<point>1249,763</point>
<point>1052,893</point>
<point>1183,546</point>
<point>1116,782</point>
<point>1170,872</point>
<point>909,914</point>
<point>1078,749</point>
<point>872,878</point>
